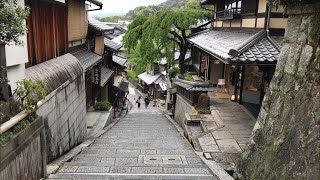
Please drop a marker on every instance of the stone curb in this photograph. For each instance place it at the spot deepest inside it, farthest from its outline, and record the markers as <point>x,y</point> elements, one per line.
<point>213,166</point>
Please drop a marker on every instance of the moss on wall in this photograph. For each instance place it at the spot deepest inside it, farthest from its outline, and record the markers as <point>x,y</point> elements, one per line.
<point>286,140</point>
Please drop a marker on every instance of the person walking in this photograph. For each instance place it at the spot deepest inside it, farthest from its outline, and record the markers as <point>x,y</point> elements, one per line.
<point>138,101</point>
<point>146,101</point>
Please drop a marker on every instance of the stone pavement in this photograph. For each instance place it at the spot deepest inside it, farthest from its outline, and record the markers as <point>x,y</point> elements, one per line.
<point>142,145</point>
<point>226,132</point>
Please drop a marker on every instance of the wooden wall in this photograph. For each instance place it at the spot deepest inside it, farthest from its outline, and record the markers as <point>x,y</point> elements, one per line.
<point>77,20</point>
<point>277,21</point>
<point>99,45</point>
<point>47,31</point>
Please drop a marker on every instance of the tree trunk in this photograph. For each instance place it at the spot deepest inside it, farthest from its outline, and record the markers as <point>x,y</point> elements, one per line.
<point>182,66</point>
<point>4,88</point>
<point>286,138</point>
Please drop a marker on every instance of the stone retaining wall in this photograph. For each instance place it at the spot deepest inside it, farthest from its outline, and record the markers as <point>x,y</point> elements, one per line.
<point>64,114</point>
<point>286,140</point>
<point>181,108</point>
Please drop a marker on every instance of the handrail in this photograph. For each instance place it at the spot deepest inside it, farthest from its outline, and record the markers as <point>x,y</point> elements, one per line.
<point>16,119</point>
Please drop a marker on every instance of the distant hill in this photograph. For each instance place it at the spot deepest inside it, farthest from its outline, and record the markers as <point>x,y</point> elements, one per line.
<point>148,10</point>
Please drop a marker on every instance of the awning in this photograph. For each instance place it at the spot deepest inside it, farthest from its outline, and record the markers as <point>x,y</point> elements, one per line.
<point>87,58</point>
<point>112,45</point>
<point>193,86</point>
<point>237,46</point>
<point>97,3</point>
<point>106,74</point>
<point>207,2</point>
<point>100,26</point>
<point>163,85</point>
<point>119,60</point>
<point>149,78</point>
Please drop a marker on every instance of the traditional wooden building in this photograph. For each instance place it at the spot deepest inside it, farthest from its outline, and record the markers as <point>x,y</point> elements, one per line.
<point>241,49</point>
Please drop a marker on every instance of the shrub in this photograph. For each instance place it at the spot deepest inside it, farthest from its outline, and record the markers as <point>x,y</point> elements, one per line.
<point>188,77</point>
<point>29,93</point>
<point>173,71</point>
<point>203,111</point>
<point>133,76</point>
<point>102,106</point>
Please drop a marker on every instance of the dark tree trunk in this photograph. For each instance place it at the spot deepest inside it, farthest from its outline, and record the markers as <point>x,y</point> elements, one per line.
<point>182,66</point>
<point>4,88</point>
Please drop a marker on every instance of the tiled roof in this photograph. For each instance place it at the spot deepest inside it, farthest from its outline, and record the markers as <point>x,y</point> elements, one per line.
<point>87,58</point>
<point>149,78</point>
<point>100,26</point>
<point>118,39</point>
<point>56,71</point>
<point>262,51</point>
<point>111,44</point>
<point>119,60</point>
<point>193,86</point>
<point>238,46</point>
<point>106,74</point>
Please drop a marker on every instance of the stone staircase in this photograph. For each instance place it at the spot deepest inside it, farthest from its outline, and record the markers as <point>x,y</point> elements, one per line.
<point>142,145</point>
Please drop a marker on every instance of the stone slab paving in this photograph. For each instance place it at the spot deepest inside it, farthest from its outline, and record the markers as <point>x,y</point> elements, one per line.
<point>143,145</point>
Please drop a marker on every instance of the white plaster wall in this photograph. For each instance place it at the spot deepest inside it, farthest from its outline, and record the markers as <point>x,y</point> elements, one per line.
<point>16,57</point>
<point>17,54</point>
<point>14,74</point>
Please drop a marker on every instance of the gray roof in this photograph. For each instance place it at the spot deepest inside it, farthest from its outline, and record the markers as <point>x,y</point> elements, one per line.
<point>118,39</point>
<point>233,46</point>
<point>111,36</point>
<point>193,86</point>
<point>150,79</point>
<point>262,51</point>
<point>100,26</point>
<point>111,44</point>
<point>106,74</point>
<point>119,60</point>
<point>56,71</point>
<point>87,58</point>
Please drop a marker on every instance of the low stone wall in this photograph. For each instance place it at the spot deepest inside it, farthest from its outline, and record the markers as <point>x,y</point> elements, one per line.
<point>182,107</point>
<point>64,114</point>
<point>24,156</point>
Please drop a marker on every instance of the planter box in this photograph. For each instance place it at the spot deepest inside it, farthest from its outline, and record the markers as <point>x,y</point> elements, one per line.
<point>24,156</point>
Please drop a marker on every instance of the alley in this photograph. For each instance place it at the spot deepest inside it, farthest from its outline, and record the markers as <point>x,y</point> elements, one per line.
<point>142,145</point>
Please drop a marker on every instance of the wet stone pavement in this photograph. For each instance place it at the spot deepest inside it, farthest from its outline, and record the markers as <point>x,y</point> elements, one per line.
<point>142,145</point>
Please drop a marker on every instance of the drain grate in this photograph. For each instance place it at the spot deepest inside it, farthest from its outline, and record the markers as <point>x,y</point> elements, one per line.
<point>162,159</point>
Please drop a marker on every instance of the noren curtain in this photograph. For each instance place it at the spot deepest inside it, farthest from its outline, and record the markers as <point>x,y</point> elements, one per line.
<point>47,31</point>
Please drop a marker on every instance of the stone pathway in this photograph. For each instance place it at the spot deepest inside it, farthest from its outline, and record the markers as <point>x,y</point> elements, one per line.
<point>226,133</point>
<point>142,145</point>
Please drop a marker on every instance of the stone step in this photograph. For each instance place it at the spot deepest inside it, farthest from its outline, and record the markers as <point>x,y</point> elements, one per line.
<point>112,176</point>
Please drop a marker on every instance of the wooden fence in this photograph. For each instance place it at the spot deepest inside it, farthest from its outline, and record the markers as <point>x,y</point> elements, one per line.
<point>24,157</point>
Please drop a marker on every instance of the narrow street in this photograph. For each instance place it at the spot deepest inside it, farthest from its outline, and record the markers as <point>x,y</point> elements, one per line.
<point>142,145</point>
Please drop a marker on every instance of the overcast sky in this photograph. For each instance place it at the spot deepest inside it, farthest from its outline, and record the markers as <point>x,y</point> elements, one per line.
<point>122,6</point>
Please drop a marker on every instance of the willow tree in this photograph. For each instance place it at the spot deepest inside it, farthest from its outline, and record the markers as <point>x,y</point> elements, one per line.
<point>158,33</point>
